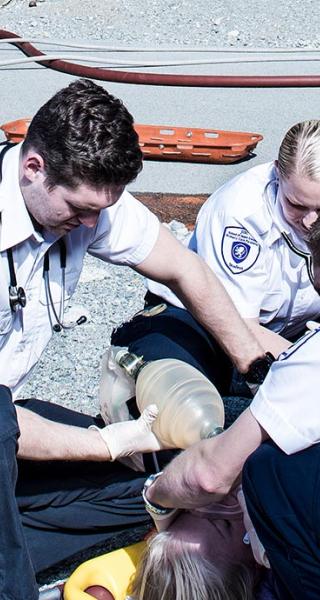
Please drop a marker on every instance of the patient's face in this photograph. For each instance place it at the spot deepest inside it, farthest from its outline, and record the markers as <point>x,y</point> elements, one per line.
<point>220,540</point>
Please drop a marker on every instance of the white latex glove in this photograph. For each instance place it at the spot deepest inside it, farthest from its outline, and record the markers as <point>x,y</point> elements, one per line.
<point>128,437</point>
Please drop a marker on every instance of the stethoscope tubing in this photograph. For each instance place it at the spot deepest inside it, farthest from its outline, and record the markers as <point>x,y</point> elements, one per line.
<point>307,256</point>
<point>17,295</point>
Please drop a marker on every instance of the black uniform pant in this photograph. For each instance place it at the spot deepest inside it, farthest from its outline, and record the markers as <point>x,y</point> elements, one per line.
<point>174,333</point>
<point>17,579</point>
<point>52,510</point>
<point>283,498</point>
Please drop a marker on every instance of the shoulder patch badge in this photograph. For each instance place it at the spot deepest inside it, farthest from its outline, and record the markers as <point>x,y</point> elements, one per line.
<point>239,249</point>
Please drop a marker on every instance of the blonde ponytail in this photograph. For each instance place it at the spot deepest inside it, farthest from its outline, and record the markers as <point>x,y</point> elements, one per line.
<point>299,151</point>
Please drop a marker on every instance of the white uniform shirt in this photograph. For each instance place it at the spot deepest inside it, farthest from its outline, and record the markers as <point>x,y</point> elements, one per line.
<point>287,403</point>
<point>238,233</point>
<point>125,234</point>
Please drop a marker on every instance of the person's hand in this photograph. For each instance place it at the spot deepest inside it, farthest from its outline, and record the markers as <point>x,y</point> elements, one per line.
<point>128,437</point>
<point>206,471</point>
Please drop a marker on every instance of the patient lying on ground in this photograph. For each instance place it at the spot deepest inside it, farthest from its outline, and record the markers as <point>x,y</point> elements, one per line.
<point>204,555</point>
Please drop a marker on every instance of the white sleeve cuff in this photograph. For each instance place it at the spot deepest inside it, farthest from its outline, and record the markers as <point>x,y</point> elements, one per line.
<point>281,431</point>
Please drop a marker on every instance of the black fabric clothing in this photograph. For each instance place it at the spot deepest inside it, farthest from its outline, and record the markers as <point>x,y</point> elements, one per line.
<point>17,580</point>
<point>51,510</point>
<point>283,498</point>
<point>66,507</point>
<point>174,333</point>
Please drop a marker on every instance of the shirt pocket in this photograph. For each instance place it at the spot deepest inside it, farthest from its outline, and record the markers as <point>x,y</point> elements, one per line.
<point>6,321</point>
<point>51,292</point>
<point>6,314</point>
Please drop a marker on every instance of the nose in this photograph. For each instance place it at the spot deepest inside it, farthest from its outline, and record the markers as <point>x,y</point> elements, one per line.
<point>89,219</point>
<point>309,219</point>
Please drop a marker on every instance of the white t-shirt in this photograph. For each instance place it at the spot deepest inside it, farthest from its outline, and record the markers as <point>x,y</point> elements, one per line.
<point>125,234</point>
<point>287,404</point>
<point>239,234</point>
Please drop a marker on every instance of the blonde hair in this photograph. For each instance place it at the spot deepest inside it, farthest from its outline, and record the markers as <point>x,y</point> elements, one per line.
<point>170,570</point>
<point>299,151</point>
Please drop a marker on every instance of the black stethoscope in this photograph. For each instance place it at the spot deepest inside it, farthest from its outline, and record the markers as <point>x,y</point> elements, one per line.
<point>307,257</point>
<point>17,295</point>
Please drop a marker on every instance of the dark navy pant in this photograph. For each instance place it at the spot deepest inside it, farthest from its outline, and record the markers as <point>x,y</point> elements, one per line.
<point>283,497</point>
<point>17,580</point>
<point>174,333</point>
<point>58,508</point>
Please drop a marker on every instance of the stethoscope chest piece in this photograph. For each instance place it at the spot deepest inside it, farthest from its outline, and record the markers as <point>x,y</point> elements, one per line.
<point>17,297</point>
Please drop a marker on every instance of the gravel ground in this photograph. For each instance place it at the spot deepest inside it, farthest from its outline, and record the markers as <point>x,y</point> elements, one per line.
<point>69,371</point>
<point>267,23</point>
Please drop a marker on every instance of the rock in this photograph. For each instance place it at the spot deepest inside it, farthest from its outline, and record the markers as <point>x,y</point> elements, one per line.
<point>217,21</point>
<point>233,36</point>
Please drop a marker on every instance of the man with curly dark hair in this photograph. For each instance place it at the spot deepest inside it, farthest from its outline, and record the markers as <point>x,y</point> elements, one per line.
<point>62,194</point>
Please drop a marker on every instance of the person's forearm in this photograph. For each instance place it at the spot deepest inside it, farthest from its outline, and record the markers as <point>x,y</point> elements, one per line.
<point>42,439</point>
<point>206,298</point>
<point>209,469</point>
<point>203,294</point>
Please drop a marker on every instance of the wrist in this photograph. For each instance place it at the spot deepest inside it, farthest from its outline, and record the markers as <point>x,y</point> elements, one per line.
<point>153,508</point>
<point>259,368</point>
<point>100,443</point>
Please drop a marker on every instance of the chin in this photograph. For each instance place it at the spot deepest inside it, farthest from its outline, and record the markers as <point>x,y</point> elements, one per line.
<point>58,230</point>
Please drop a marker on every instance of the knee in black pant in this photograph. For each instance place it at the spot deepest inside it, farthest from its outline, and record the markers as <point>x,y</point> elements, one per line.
<point>259,462</point>
<point>259,474</point>
<point>8,416</point>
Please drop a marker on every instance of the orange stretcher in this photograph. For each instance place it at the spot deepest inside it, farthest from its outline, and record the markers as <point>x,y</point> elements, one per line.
<point>162,142</point>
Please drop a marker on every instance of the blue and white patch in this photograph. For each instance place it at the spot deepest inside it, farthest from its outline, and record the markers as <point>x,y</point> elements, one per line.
<point>239,249</point>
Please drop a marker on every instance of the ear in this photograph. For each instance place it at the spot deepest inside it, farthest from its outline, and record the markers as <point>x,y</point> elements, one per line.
<point>32,166</point>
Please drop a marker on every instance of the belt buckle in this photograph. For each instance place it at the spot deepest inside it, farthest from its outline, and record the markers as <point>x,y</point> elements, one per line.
<point>153,310</point>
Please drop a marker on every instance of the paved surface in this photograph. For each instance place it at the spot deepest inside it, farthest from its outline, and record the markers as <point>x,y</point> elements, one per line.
<point>267,111</point>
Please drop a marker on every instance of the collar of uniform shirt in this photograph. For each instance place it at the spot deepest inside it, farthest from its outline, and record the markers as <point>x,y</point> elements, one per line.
<point>279,223</point>
<point>297,240</point>
<point>271,197</point>
<point>16,224</point>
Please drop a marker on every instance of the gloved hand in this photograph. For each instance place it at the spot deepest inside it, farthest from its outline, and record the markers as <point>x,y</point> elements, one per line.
<point>128,437</point>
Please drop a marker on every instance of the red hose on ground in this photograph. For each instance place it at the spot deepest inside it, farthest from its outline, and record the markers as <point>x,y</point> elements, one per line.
<point>232,81</point>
